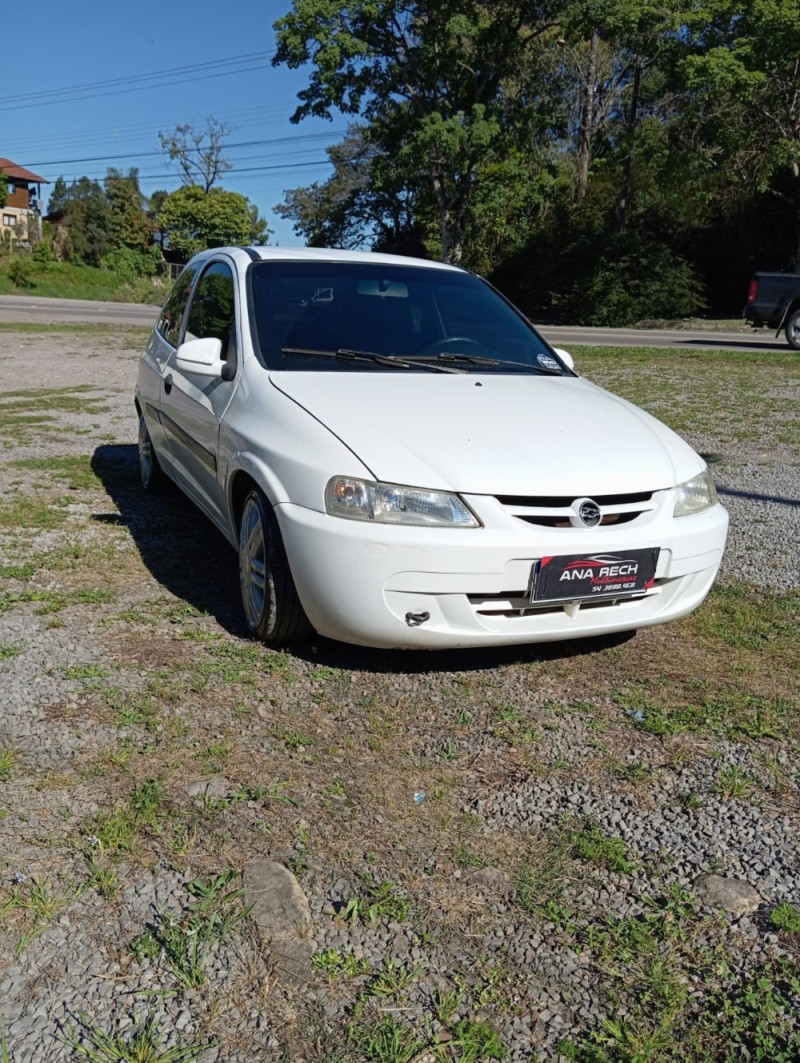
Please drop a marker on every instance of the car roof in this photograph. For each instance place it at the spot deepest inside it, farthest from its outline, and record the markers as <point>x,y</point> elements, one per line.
<point>325,254</point>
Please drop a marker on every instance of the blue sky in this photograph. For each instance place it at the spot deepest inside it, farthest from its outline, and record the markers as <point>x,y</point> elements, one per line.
<point>79,93</point>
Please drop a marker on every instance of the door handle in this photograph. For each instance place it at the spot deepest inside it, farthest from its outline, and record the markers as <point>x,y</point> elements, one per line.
<point>168,383</point>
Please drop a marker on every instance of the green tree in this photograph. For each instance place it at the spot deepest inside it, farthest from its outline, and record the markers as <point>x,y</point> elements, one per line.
<point>198,152</point>
<point>3,190</point>
<point>192,220</point>
<point>428,77</point>
<point>129,225</point>
<point>83,213</point>
<point>744,79</point>
<point>365,200</point>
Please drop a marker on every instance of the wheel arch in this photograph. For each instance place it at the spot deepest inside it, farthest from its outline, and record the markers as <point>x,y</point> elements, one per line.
<point>241,483</point>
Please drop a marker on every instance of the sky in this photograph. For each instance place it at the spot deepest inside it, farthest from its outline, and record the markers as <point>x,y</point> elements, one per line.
<point>87,85</point>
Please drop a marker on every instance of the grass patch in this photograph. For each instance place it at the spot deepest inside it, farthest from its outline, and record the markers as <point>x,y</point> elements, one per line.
<point>145,1042</point>
<point>374,901</point>
<point>34,901</point>
<point>185,943</point>
<point>76,471</point>
<point>118,830</point>
<point>753,1018</point>
<point>54,601</point>
<point>65,280</point>
<point>8,758</point>
<point>685,378</point>
<point>33,514</point>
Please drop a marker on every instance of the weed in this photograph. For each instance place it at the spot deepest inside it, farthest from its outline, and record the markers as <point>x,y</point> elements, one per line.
<point>393,980</point>
<point>691,801</point>
<point>447,1004</point>
<point>334,964</point>
<point>732,782</point>
<point>475,1041</point>
<point>146,802</point>
<point>101,877</point>
<point>88,674</point>
<point>376,900</point>
<point>8,650</point>
<point>264,794</point>
<point>540,882</point>
<point>384,1041</point>
<point>211,758</point>
<point>786,917</point>
<point>466,858</point>
<point>8,758</point>
<point>633,773</point>
<point>143,1044</point>
<point>336,788</point>
<point>116,831</point>
<point>589,843</point>
<point>295,740</point>
<point>34,900</point>
<point>186,943</point>
<point>757,1018</point>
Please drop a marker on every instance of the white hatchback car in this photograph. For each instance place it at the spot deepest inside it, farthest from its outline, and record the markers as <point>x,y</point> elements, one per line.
<point>402,461</point>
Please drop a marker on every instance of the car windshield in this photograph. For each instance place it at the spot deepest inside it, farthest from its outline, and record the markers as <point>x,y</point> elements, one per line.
<point>305,312</point>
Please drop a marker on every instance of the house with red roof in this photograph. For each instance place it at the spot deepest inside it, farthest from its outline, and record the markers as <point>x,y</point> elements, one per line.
<point>24,198</point>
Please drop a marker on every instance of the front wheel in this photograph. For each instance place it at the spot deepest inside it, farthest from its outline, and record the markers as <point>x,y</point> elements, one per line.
<point>272,608</point>
<point>793,329</point>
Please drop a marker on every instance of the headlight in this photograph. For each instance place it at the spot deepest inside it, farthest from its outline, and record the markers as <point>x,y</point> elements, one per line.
<point>695,495</point>
<point>393,504</point>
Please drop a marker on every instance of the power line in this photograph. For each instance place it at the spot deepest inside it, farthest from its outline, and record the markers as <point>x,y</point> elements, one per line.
<point>227,147</point>
<point>137,78</point>
<point>124,92</point>
<point>244,114</point>
<point>235,170</point>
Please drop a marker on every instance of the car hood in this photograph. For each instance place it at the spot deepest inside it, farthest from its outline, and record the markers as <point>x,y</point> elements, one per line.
<point>487,434</point>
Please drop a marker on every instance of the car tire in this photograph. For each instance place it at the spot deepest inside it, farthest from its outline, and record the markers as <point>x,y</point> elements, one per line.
<point>793,329</point>
<point>272,608</point>
<point>150,472</point>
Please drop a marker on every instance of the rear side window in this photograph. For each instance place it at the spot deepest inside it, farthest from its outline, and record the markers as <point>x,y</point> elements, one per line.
<point>169,324</point>
<point>213,311</point>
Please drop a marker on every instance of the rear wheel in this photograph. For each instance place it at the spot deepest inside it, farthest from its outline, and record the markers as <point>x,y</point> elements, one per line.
<point>793,329</point>
<point>272,608</point>
<point>153,478</point>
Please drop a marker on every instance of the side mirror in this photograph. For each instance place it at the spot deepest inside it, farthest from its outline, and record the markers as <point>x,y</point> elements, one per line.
<point>565,357</point>
<point>201,357</point>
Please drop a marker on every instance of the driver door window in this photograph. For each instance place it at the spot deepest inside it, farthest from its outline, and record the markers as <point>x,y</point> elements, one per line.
<point>212,312</point>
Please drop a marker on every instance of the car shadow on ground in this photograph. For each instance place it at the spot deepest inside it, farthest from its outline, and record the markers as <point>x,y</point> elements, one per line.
<point>186,554</point>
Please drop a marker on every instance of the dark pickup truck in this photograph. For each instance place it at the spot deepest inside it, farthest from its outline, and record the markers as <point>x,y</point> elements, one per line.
<point>774,300</point>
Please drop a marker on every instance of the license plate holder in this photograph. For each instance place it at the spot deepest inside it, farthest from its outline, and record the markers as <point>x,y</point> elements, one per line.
<point>573,577</point>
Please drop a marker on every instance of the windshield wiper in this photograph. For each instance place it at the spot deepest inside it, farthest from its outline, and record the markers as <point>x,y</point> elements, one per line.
<point>345,354</point>
<point>477,359</point>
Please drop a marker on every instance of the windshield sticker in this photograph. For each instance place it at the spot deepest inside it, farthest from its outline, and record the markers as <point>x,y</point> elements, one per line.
<point>547,361</point>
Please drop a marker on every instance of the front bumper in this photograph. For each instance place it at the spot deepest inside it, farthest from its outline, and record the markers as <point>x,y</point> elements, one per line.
<point>360,582</point>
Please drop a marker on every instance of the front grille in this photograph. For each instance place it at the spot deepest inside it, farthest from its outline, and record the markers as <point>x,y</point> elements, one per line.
<point>555,511</point>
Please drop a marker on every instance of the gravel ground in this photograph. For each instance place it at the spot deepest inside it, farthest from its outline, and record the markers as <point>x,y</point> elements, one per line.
<point>462,810</point>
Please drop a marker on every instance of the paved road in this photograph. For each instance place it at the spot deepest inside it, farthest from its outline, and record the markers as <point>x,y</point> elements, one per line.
<point>25,308</point>
<point>33,308</point>
<point>747,340</point>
